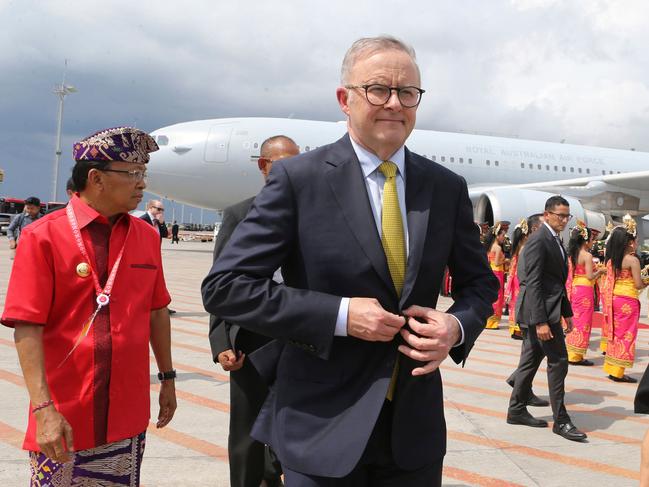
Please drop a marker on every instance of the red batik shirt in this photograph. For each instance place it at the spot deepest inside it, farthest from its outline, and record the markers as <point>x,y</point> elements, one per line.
<point>102,388</point>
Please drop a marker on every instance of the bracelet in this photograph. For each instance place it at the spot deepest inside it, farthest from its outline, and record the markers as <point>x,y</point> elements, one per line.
<point>42,405</point>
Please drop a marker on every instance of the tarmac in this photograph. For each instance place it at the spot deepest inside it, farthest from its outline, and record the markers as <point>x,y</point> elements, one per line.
<point>483,450</point>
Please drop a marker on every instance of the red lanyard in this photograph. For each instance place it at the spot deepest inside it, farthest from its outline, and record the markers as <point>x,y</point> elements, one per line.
<point>103,295</point>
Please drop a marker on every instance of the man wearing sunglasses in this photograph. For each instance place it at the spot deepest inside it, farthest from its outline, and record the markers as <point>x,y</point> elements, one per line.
<point>362,229</point>
<point>250,461</point>
<point>154,216</point>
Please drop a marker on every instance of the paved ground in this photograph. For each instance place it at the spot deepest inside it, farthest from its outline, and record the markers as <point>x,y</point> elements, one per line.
<point>482,448</point>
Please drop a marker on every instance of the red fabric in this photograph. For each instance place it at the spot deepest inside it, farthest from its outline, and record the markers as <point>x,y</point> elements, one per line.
<point>45,289</point>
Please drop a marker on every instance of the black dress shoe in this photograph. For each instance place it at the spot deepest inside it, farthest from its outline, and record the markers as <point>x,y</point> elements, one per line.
<point>624,378</point>
<point>534,400</point>
<point>516,337</point>
<point>569,431</point>
<point>171,311</point>
<point>537,402</point>
<point>584,362</point>
<point>526,419</point>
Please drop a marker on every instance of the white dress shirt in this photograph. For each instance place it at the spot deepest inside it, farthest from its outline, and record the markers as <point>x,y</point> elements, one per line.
<point>374,182</point>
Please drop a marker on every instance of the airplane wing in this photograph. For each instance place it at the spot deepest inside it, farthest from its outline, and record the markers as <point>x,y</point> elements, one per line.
<point>615,194</point>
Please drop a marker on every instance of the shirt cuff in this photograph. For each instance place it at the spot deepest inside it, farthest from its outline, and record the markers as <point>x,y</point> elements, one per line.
<point>461,342</point>
<point>341,320</point>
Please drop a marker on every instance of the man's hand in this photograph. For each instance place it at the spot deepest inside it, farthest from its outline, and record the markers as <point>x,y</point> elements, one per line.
<point>367,320</point>
<point>438,333</point>
<point>51,431</point>
<point>569,325</point>
<point>544,333</point>
<point>12,244</point>
<point>167,401</point>
<point>229,360</point>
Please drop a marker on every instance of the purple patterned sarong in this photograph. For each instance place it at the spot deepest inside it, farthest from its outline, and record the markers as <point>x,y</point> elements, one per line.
<point>115,464</point>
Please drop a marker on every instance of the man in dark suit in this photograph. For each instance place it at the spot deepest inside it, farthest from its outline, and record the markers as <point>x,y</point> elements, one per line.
<point>362,230</point>
<point>250,463</point>
<point>542,303</point>
<point>533,224</point>
<point>154,216</point>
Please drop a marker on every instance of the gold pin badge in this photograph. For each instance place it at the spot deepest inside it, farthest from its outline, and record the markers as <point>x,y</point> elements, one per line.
<point>83,270</point>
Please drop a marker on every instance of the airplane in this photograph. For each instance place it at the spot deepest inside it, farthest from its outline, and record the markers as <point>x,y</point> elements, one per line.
<point>213,164</point>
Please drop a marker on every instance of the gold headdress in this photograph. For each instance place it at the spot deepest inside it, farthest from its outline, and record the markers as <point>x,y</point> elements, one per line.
<point>609,227</point>
<point>496,229</point>
<point>581,227</point>
<point>630,225</point>
<point>523,226</point>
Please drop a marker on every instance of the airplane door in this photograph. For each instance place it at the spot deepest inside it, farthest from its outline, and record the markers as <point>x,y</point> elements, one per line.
<point>218,143</point>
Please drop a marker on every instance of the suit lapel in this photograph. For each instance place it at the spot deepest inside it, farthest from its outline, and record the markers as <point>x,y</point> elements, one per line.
<point>419,191</point>
<point>345,178</point>
<point>556,251</point>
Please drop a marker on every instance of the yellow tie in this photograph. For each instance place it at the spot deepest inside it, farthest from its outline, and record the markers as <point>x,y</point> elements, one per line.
<point>394,243</point>
<point>392,238</point>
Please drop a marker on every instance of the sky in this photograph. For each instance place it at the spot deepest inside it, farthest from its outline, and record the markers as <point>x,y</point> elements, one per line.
<point>547,70</point>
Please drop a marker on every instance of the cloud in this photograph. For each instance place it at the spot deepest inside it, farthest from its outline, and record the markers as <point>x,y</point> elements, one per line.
<point>541,69</point>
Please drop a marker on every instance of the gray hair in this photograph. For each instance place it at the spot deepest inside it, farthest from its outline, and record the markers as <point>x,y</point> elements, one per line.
<point>369,45</point>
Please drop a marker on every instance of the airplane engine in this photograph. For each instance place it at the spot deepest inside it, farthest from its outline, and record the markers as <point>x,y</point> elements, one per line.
<point>512,204</point>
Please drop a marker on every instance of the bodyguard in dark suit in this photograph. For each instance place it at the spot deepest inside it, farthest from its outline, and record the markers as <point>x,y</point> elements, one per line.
<point>362,230</point>
<point>542,302</point>
<point>154,210</point>
<point>250,461</point>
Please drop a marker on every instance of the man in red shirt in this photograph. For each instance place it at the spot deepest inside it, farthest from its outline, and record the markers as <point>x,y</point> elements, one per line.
<point>86,297</point>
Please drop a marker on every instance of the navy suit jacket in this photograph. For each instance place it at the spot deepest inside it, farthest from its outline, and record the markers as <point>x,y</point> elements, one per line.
<point>313,219</point>
<point>162,229</point>
<point>542,273</point>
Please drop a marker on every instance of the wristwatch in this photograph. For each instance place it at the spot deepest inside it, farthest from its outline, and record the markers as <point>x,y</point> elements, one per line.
<point>162,376</point>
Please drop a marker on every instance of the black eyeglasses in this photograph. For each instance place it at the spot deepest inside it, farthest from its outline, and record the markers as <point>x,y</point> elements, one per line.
<point>135,175</point>
<point>561,216</point>
<point>378,94</point>
<point>158,208</point>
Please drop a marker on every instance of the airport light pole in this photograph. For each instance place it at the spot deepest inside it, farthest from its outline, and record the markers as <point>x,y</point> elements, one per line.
<point>61,91</point>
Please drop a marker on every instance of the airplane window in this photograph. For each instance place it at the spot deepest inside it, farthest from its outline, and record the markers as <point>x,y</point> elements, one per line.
<point>470,161</point>
<point>163,140</point>
<point>443,158</point>
<point>496,163</point>
<point>587,171</point>
<point>531,166</point>
<point>547,167</point>
<point>539,166</point>
<point>579,170</point>
<point>308,149</point>
<point>603,172</point>
<point>434,157</point>
<point>461,160</point>
<point>563,168</point>
<point>522,165</point>
<point>452,159</point>
<point>572,169</point>
<point>488,162</point>
<point>255,145</point>
<point>556,168</point>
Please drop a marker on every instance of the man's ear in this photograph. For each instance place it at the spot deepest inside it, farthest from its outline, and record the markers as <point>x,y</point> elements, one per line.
<point>342,94</point>
<point>95,178</point>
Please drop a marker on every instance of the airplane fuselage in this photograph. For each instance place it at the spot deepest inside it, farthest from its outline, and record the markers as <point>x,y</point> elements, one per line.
<point>213,163</point>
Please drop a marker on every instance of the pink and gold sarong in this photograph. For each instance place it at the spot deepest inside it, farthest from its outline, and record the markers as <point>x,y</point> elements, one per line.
<point>623,311</point>
<point>511,293</point>
<point>499,272</point>
<point>580,293</point>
